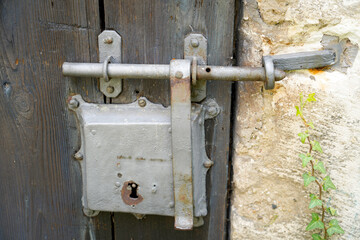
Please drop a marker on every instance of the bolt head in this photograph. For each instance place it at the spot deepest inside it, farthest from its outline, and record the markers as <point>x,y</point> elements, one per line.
<point>78,156</point>
<point>74,103</point>
<point>142,103</point>
<point>117,184</point>
<point>110,89</point>
<point>171,204</point>
<point>194,42</point>
<point>208,164</point>
<point>212,111</point>
<point>178,75</point>
<point>108,40</point>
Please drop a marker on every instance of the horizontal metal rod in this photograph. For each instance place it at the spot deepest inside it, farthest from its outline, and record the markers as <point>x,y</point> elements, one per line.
<point>115,70</point>
<point>235,73</point>
<point>157,71</point>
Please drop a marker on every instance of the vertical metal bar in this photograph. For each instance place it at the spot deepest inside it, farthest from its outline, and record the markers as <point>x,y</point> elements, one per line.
<point>195,49</point>
<point>110,51</point>
<point>181,143</point>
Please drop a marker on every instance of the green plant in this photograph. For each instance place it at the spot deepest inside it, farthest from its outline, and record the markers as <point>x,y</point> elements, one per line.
<point>317,175</point>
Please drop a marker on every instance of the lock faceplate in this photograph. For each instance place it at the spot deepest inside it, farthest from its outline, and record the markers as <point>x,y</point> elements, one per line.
<point>127,156</point>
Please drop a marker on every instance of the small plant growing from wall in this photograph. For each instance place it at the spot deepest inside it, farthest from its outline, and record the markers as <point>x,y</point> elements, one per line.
<point>323,216</point>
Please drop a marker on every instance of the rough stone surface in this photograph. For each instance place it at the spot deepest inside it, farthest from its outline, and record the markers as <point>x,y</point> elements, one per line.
<point>269,200</point>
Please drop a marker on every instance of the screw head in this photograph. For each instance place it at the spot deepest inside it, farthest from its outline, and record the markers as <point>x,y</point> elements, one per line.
<point>108,40</point>
<point>212,111</point>
<point>74,103</point>
<point>208,164</point>
<point>194,42</point>
<point>110,89</point>
<point>142,103</point>
<point>178,75</point>
<point>78,156</point>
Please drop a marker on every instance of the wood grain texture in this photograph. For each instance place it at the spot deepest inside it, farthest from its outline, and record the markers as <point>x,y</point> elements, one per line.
<point>153,32</point>
<point>40,182</point>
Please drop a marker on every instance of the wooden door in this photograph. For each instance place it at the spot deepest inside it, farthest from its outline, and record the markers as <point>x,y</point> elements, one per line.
<point>40,180</point>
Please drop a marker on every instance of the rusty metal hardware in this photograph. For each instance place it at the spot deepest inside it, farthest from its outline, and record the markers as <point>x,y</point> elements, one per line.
<point>119,141</point>
<point>128,162</point>
<point>109,52</point>
<point>195,49</point>
<point>181,142</point>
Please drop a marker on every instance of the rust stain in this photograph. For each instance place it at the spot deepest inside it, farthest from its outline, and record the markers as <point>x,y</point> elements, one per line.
<point>315,71</point>
<point>157,159</point>
<point>268,40</point>
<point>16,62</point>
<point>123,157</point>
<point>140,158</point>
<point>182,94</point>
<point>184,195</point>
<point>126,192</point>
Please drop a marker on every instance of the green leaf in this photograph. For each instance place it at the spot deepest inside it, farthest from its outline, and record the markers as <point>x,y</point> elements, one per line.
<point>311,98</point>
<point>316,236</point>
<point>311,125</point>
<point>331,211</point>
<point>328,183</point>
<point>305,159</point>
<point>314,201</point>
<point>303,137</point>
<point>334,228</point>
<point>298,111</point>
<point>315,222</point>
<point>320,167</point>
<point>316,146</point>
<point>308,179</point>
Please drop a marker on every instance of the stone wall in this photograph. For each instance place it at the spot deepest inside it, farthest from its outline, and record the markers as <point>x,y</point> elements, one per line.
<point>269,200</point>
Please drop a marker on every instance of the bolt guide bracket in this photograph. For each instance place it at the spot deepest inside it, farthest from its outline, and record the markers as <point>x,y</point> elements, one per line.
<point>144,158</point>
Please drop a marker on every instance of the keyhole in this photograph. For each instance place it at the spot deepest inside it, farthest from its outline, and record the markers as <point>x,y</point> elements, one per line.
<point>133,187</point>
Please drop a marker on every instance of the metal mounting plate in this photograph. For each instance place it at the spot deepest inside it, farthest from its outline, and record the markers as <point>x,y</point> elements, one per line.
<point>110,45</point>
<point>125,144</point>
<point>195,48</point>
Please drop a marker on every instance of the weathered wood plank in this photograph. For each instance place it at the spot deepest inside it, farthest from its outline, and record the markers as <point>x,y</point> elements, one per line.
<point>40,183</point>
<point>153,32</point>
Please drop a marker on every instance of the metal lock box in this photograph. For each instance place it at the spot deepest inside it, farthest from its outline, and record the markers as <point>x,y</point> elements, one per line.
<point>126,156</point>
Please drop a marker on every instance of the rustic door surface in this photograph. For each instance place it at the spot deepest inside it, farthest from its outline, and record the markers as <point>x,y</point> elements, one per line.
<point>41,184</point>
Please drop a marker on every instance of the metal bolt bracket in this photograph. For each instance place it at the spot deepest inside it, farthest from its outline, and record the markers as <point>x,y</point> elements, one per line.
<point>195,49</point>
<point>110,51</point>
